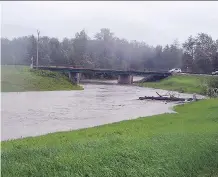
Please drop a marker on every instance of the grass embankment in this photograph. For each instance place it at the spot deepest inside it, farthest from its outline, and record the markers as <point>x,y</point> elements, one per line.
<point>167,145</point>
<point>181,83</point>
<point>22,78</point>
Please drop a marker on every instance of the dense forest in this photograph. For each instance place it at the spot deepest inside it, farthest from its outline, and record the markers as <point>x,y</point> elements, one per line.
<point>197,54</point>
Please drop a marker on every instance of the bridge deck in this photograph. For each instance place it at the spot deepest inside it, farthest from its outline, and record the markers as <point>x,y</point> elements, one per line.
<point>109,71</point>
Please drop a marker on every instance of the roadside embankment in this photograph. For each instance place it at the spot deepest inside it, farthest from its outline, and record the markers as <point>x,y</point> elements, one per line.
<point>22,78</point>
<point>181,83</point>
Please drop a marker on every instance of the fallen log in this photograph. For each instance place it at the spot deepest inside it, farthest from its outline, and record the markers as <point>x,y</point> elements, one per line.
<point>164,98</point>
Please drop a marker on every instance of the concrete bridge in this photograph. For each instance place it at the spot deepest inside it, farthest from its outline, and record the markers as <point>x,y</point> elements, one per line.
<point>124,77</point>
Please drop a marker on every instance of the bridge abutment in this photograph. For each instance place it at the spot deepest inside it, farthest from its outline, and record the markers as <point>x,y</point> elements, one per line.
<point>125,79</point>
<point>74,77</point>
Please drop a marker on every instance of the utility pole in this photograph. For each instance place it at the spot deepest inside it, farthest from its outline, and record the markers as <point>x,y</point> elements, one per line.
<point>14,60</point>
<point>37,49</point>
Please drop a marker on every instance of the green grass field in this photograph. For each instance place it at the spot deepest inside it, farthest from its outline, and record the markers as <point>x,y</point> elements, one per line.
<point>168,145</point>
<point>22,78</point>
<point>181,83</point>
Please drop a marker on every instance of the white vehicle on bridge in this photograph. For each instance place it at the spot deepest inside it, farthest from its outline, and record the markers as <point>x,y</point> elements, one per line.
<point>215,73</point>
<point>175,70</point>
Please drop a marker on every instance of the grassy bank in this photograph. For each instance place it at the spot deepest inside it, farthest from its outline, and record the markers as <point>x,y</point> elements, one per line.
<point>181,83</point>
<point>21,78</point>
<point>167,145</point>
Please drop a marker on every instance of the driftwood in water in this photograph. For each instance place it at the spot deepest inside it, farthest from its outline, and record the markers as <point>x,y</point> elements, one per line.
<point>169,98</point>
<point>159,95</point>
<point>162,98</point>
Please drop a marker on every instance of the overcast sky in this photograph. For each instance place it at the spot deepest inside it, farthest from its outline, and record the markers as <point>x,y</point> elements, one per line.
<point>151,22</point>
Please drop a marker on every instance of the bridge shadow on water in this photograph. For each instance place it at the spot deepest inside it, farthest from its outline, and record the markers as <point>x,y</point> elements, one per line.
<point>99,82</point>
<point>136,79</point>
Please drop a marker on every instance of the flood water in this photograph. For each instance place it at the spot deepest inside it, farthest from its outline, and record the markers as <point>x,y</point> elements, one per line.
<point>35,113</point>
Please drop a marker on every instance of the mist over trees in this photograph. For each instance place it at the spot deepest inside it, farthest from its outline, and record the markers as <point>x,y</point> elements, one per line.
<point>197,54</point>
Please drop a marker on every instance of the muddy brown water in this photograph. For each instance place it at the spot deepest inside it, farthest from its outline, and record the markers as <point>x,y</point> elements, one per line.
<point>27,114</point>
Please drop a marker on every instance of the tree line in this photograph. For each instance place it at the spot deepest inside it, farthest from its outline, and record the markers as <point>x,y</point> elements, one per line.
<point>197,54</point>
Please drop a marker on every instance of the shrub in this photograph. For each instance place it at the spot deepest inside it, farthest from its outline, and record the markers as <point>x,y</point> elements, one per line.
<point>212,86</point>
<point>212,82</point>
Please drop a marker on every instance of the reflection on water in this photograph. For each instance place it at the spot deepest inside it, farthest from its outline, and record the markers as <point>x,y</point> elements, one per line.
<point>36,113</point>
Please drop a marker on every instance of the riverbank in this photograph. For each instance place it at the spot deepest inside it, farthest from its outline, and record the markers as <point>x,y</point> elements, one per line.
<point>22,78</point>
<point>180,83</point>
<point>182,144</point>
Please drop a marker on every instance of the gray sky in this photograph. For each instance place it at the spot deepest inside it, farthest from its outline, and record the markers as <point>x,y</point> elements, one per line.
<point>151,22</point>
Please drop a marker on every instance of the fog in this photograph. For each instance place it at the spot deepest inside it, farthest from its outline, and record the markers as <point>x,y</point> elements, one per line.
<point>152,22</point>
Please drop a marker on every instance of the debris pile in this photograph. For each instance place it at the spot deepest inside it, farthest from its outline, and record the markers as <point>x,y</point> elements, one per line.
<point>168,97</point>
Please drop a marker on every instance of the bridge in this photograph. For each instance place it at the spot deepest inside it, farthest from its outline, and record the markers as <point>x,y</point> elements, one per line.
<point>124,76</point>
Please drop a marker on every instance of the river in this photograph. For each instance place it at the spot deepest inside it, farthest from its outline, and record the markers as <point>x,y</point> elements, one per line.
<point>27,114</point>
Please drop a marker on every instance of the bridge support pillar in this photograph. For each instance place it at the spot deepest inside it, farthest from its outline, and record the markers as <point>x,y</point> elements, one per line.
<point>125,79</point>
<point>75,77</point>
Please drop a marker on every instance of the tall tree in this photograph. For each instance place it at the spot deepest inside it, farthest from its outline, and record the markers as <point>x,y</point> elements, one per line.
<point>197,54</point>
<point>79,45</point>
<point>106,47</point>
